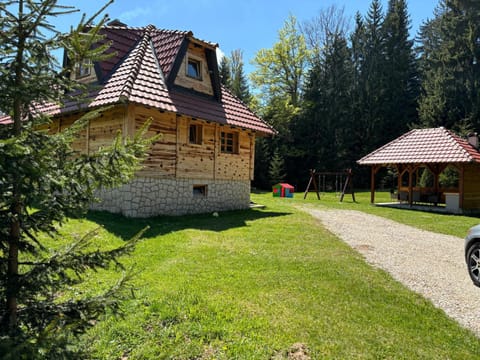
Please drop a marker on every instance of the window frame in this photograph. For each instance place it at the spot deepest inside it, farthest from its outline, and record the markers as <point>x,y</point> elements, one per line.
<point>229,142</point>
<point>200,190</point>
<point>195,134</point>
<point>83,69</point>
<point>198,67</point>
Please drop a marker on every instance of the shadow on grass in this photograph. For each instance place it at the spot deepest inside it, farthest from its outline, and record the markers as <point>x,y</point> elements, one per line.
<point>125,228</point>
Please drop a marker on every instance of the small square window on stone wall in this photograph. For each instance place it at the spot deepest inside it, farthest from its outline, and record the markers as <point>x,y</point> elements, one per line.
<point>200,190</point>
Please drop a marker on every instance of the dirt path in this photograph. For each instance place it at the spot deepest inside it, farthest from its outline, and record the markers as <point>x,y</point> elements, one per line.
<point>430,264</point>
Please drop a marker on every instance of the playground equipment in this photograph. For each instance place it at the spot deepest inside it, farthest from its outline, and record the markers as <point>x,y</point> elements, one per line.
<point>343,183</point>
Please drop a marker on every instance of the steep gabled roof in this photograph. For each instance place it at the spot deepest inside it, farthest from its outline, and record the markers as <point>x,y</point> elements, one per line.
<point>141,72</point>
<point>424,146</point>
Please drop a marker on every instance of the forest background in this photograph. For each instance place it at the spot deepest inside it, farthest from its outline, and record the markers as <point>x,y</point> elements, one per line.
<point>335,92</point>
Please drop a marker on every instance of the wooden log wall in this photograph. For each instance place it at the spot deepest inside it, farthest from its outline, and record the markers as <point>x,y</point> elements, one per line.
<point>172,156</point>
<point>161,160</point>
<point>235,166</point>
<point>196,160</point>
<point>471,187</point>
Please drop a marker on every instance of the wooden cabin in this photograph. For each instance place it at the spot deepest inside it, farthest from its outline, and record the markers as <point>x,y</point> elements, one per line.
<point>204,159</point>
<point>420,157</point>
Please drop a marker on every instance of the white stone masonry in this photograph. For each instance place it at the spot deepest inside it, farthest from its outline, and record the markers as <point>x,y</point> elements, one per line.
<point>146,197</point>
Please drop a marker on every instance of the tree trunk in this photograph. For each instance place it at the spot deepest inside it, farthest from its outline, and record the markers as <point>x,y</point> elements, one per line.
<point>10,317</point>
<point>9,320</point>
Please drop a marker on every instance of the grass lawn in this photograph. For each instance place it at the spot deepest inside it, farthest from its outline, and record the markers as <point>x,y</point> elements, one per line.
<point>250,284</point>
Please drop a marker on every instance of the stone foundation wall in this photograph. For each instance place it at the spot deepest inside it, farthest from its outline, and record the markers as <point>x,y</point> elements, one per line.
<point>146,197</point>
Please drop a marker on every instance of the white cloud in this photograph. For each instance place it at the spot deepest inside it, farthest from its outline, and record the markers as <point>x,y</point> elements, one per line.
<point>220,54</point>
<point>135,13</point>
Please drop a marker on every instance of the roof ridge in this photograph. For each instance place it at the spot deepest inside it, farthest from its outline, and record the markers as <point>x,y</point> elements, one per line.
<point>150,27</point>
<point>461,143</point>
<point>126,90</point>
<point>155,57</point>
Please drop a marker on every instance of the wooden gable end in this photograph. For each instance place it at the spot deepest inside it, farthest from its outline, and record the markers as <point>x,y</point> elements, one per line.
<point>85,72</point>
<point>197,70</point>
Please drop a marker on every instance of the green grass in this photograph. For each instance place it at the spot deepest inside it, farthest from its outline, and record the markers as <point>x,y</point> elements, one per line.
<point>249,284</point>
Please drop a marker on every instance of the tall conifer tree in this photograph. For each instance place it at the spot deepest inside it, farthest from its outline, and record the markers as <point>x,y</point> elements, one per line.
<point>322,130</point>
<point>401,74</point>
<point>42,182</point>
<point>239,82</point>
<point>450,64</point>
<point>225,72</point>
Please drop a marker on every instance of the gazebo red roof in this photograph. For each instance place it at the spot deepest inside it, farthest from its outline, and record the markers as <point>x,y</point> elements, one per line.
<point>424,146</point>
<point>140,72</point>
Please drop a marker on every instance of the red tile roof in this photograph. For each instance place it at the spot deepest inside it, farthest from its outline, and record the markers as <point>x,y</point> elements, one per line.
<point>139,72</point>
<point>424,146</point>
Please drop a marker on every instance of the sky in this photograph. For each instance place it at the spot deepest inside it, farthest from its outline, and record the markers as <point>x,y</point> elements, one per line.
<point>249,25</point>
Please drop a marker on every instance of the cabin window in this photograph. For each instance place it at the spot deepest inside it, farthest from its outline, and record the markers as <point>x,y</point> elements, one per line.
<point>195,134</point>
<point>194,69</point>
<point>200,190</point>
<point>229,142</point>
<point>83,69</point>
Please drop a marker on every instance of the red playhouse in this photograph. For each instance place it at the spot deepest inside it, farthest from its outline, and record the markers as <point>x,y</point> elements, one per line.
<point>283,190</point>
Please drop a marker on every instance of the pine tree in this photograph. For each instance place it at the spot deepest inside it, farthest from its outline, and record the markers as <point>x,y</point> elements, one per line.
<point>372,78</point>
<point>450,66</point>
<point>401,74</point>
<point>321,132</point>
<point>239,81</point>
<point>225,72</point>
<point>42,182</point>
<point>276,170</point>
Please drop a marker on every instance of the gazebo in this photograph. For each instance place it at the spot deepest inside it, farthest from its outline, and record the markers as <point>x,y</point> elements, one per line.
<point>435,150</point>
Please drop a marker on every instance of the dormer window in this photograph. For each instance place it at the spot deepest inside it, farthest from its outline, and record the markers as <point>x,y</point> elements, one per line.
<point>194,69</point>
<point>83,69</point>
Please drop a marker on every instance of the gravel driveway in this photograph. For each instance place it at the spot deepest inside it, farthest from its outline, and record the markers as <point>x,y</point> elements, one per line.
<point>428,263</point>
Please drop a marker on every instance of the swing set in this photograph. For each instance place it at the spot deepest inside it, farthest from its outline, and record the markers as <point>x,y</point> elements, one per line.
<point>343,183</point>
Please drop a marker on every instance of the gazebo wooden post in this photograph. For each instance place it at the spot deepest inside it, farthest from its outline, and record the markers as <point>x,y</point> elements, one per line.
<point>399,180</point>
<point>461,187</point>
<point>372,184</point>
<point>410,185</point>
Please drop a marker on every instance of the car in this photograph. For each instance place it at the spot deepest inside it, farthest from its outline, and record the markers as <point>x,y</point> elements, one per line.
<point>472,254</point>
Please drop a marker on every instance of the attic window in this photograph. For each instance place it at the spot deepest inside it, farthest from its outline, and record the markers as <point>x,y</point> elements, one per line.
<point>194,69</point>
<point>83,69</point>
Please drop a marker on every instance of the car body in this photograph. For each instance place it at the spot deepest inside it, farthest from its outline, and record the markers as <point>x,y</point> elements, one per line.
<point>472,254</point>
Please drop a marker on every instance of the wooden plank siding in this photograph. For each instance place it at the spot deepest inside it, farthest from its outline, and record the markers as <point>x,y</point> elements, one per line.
<point>161,160</point>
<point>196,161</point>
<point>471,187</point>
<point>235,166</point>
<point>103,130</point>
<point>172,156</point>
